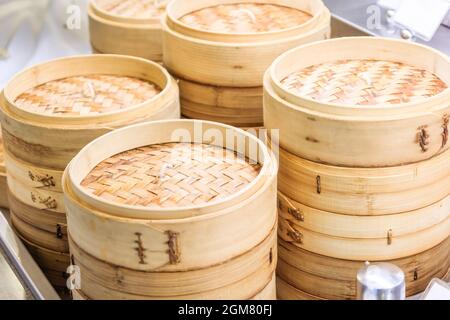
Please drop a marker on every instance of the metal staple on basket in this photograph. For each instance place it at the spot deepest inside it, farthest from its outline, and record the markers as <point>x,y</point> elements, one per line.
<point>246,18</point>
<point>172,174</point>
<point>81,95</point>
<point>139,9</point>
<point>364,82</point>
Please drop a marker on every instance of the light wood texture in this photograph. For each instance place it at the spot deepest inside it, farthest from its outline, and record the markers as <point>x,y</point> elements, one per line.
<point>40,237</point>
<point>241,107</point>
<point>331,278</point>
<point>112,33</point>
<point>177,238</point>
<point>3,180</point>
<point>47,220</point>
<point>364,191</point>
<point>223,59</point>
<point>52,141</point>
<point>377,249</point>
<point>287,292</point>
<point>211,280</point>
<point>358,136</point>
<point>362,227</point>
<point>268,293</point>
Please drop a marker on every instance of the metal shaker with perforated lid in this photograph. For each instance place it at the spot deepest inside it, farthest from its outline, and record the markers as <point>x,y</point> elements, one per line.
<point>380,281</point>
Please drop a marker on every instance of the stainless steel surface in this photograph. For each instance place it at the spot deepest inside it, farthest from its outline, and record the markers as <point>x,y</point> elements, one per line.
<point>354,14</point>
<point>11,288</point>
<point>20,277</point>
<point>380,281</point>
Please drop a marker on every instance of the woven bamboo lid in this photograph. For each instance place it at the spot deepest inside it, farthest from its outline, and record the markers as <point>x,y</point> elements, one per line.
<point>246,18</point>
<point>137,9</point>
<point>170,175</point>
<point>364,82</point>
<point>86,95</point>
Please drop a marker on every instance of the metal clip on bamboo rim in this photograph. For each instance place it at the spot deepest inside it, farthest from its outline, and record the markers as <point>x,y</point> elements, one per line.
<point>116,34</point>
<point>381,135</point>
<point>204,235</point>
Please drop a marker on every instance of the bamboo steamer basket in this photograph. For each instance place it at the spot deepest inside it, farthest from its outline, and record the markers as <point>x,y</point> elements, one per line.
<point>330,278</point>
<point>240,107</point>
<point>385,227</point>
<point>379,135</point>
<point>3,180</point>
<point>51,222</point>
<point>51,141</point>
<point>228,59</point>
<point>268,293</point>
<point>99,280</point>
<point>365,191</point>
<point>202,235</point>
<point>39,236</point>
<point>389,247</point>
<point>128,32</point>
<point>287,292</point>
<point>53,264</point>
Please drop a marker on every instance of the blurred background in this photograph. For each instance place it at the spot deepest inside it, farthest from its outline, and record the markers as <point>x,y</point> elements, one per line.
<point>33,31</point>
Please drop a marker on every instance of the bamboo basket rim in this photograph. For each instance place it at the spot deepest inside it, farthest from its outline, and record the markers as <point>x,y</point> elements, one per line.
<point>38,247</point>
<point>175,18</point>
<point>118,21</point>
<point>9,99</point>
<point>342,172</point>
<point>94,8</point>
<point>337,108</point>
<point>72,177</point>
<point>249,44</point>
<point>355,114</point>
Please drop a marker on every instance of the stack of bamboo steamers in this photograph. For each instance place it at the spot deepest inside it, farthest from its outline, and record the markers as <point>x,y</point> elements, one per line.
<point>220,49</point>
<point>364,163</point>
<point>50,112</point>
<point>104,175</point>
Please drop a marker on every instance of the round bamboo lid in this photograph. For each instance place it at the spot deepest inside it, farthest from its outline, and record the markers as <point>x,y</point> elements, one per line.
<point>137,9</point>
<point>170,175</point>
<point>242,18</point>
<point>86,95</point>
<point>364,82</point>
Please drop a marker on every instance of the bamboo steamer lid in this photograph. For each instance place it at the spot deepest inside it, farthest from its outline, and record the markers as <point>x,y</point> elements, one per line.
<point>390,107</point>
<point>196,228</point>
<point>89,96</point>
<point>330,278</point>
<point>238,36</point>
<point>127,27</point>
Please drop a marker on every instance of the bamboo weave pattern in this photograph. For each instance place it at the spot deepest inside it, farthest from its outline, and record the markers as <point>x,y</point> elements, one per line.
<point>170,175</point>
<point>364,82</point>
<point>139,9</point>
<point>246,18</point>
<point>86,95</point>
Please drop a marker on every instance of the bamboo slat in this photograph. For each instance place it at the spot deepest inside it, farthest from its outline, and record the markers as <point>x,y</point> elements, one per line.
<point>268,293</point>
<point>331,278</point>
<point>360,133</point>
<point>362,227</point>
